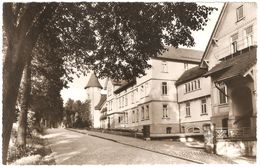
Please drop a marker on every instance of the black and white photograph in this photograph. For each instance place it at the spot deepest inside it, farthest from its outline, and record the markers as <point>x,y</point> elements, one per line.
<point>129,82</point>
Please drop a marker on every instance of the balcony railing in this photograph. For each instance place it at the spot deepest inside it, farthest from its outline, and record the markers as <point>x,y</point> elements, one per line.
<point>235,133</point>
<point>229,50</point>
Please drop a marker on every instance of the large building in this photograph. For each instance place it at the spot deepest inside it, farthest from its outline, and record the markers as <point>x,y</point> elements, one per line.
<point>231,59</point>
<point>150,103</point>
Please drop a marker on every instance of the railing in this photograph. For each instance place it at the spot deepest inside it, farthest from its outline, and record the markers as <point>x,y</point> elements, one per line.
<point>235,133</point>
<point>228,50</point>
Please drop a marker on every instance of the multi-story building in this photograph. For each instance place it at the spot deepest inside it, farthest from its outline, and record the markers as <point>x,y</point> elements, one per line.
<point>194,100</point>
<point>150,103</point>
<point>231,59</point>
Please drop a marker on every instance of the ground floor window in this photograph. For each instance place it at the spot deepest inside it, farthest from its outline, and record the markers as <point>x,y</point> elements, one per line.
<point>168,130</point>
<point>147,112</point>
<point>187,109</point>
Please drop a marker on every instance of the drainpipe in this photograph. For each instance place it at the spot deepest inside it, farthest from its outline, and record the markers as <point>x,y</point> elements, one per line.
<point>220,89</point>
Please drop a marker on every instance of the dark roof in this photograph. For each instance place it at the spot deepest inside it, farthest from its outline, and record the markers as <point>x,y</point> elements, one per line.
<point>181,54</point>
<point>125,86</point>
<point>235,66</point>
<point>93,82</point>
<point>191,74</point>
<point>103,98</point>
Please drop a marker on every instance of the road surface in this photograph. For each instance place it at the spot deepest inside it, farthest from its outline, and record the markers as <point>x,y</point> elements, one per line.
<point>73,148</point>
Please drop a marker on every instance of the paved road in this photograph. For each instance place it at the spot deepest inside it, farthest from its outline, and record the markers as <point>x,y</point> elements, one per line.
<point>72,148</point>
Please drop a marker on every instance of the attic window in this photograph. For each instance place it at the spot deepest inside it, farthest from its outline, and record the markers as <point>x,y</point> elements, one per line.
<point>240,13</point>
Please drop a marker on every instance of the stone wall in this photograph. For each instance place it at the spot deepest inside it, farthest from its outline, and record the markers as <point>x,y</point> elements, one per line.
<point>236,148</point>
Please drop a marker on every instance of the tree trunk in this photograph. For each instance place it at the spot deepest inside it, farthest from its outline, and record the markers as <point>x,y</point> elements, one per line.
<point>12,74</point>
<point>22,120</point>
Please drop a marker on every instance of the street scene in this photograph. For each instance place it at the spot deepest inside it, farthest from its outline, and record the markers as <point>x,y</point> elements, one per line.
<point>129,83</point>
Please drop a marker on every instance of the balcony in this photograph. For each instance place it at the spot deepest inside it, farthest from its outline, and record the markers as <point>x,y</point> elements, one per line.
<point>233,50</point>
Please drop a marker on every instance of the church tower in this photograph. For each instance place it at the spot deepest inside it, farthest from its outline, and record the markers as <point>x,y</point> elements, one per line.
<point>93,88</point>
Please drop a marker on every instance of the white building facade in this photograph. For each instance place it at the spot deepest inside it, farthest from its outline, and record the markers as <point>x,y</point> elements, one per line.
<point>150,103</point>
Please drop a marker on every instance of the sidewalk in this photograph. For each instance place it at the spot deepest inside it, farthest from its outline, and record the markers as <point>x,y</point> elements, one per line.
<point>171,148</point>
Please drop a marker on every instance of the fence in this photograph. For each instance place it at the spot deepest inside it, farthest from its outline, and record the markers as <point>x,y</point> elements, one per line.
<point>235,133</point>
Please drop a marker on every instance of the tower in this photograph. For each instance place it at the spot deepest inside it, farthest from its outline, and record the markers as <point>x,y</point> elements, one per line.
<point>93,88</point>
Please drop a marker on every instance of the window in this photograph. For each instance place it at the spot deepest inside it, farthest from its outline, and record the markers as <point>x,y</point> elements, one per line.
<point>119,99</point>
<point>164,67</point>
<point>164,88</point>
<point>126,117</point>
<point>222,94</point>
<point>204,106</point>
<point>146,89</point>
<point>187,109</point>
<point>249,36</point>
<point>147,112</point>
<point>136,95</point>
<point>142,113</point>
<point>126,100</point>
<point>133,116</point>
<point>234,39</point>
<point>132,97</point>
<point>137,115</point>
<point>168,130</point>
<point>194,85</point>
<point>119,119</point>
<point>240,13</point>
<point>186,66</point>
<point>142,91</point>
<point>123,101</point>
<point>165,111</point>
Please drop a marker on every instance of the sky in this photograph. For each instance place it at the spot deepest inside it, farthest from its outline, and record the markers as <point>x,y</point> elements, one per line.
<point>76,89</point>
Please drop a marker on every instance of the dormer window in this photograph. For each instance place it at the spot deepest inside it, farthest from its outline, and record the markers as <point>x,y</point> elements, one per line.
<point>240,13</point>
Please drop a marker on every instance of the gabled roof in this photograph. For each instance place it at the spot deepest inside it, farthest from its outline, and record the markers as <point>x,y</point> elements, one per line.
<point>191,74</point>
<point>101,102</point>
<point>233,67</point>
<point>181,54</point>
<point>93,82</point>
<point>214,32</point>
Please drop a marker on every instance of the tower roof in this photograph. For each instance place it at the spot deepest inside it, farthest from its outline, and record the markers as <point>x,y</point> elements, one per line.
<point>93,82</point>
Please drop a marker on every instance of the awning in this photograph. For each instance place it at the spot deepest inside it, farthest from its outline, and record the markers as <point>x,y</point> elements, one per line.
<point>233,67</point>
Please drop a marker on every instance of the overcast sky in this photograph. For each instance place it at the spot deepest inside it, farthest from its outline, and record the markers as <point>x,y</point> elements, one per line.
<point>76,89</point>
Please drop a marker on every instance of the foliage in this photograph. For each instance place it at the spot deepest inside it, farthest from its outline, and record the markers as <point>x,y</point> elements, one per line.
<point>77,114</point>
<point>113,39</point>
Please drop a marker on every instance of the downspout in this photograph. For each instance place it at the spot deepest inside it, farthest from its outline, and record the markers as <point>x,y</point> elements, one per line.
<point>220,89</point>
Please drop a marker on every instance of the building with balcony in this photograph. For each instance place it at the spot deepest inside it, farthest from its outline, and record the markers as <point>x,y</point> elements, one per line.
<point>230,57</point>
<point>149,103</point>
